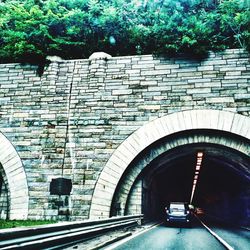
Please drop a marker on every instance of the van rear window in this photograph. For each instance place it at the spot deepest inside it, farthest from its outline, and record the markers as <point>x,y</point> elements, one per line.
<point>177,207</point>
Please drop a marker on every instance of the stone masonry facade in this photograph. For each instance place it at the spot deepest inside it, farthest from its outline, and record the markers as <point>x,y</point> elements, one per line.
<point>68,121</point>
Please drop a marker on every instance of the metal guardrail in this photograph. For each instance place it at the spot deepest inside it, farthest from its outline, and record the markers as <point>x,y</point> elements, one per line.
<point>55,236</point>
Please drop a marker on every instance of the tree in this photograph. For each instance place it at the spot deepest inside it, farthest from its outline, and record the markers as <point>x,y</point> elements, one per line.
<point>32,29</point>
<point>235,22</point>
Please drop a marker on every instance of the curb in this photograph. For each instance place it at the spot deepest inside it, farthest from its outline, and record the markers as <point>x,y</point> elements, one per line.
<point>122,236</point>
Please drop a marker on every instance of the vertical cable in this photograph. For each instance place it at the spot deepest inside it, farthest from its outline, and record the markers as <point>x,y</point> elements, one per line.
<point>68,118</point>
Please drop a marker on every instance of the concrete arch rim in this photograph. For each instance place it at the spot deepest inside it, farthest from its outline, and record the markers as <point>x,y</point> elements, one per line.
<point>159,128</point>
<point>17,180</point>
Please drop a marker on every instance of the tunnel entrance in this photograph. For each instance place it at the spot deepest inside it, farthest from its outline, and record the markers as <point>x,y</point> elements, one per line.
<point>222,189</point>
<point>163,174</point>
<point>133,179</point>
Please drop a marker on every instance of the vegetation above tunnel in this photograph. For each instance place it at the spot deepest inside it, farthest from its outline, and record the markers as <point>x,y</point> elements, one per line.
<point>32,29</point>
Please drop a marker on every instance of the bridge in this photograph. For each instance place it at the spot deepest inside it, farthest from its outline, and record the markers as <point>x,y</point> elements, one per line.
<point>125,132</point>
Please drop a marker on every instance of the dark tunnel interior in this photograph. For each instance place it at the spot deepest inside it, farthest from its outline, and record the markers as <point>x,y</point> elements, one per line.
<point>222,189</point>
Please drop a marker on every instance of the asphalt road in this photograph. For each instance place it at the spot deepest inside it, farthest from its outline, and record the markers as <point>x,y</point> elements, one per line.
<point>176,237</point>
<point>235,237</point>
<point>186,238</point>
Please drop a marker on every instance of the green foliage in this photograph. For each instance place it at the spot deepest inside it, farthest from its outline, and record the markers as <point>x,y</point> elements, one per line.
<point>32,29</point>
<point>235,22</point>
<point>23,223</point>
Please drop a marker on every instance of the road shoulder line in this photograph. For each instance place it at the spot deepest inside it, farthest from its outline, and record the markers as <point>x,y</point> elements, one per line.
<point>223,242</point>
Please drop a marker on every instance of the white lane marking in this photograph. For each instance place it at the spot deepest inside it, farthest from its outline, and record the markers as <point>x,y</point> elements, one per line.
<point>217,236</point>
<point>130,237</point>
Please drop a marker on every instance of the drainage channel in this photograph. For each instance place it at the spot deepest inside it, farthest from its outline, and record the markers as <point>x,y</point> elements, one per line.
<point>115,238</point>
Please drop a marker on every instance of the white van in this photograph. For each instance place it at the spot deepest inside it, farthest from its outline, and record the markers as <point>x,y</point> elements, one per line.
<point>177,212</point>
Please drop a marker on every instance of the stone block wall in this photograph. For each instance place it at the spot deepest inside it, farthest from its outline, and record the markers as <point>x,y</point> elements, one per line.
<point>4,202</point>
<point>69,121</point>
<point>134,205</point>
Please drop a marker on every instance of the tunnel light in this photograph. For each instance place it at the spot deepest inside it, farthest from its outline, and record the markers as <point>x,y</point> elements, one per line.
<point>199,154</point>
<point>197,171</point>
<point>199,160</point>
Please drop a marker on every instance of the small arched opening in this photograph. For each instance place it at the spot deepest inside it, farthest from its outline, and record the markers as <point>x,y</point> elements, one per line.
<point>14,198</point>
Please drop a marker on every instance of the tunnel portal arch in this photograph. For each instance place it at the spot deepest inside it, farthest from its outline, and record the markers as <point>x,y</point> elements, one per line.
<point>176,155</point>
<point>15,177</point>
<point>222,121</point>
